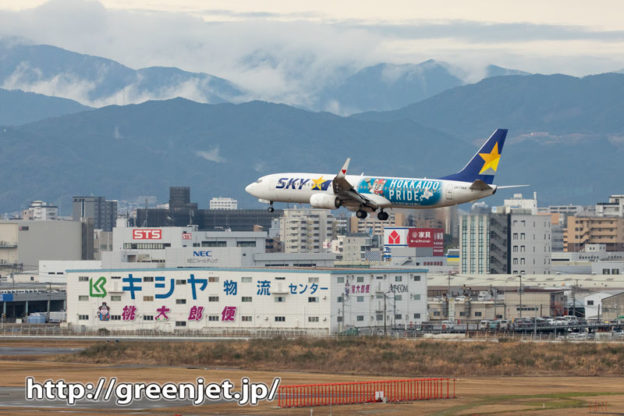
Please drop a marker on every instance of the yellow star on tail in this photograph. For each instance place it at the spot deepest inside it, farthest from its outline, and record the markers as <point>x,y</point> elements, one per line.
<point>491,159</point>
<point>317,183</point>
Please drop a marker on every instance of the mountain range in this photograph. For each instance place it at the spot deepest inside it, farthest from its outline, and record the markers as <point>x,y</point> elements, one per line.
<point>19,107</point>
<point>548,105</point>
<point>566,135</point>
<point>96,82</point>
<point>125,151</point>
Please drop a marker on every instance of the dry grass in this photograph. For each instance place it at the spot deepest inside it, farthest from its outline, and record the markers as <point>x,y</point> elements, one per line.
<point>372,356</point>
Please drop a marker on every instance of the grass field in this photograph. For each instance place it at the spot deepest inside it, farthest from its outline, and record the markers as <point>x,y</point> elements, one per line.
<point>375,356</point>
<point>490,394</point>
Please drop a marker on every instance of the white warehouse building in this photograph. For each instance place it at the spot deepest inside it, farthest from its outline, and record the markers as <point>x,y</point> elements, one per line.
<point>310,301</point>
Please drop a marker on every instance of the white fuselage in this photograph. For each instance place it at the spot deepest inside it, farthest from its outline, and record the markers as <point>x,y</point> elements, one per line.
<point>385,192</point>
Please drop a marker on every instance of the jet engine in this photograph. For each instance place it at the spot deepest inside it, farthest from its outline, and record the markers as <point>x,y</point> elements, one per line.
<point>326,201</point>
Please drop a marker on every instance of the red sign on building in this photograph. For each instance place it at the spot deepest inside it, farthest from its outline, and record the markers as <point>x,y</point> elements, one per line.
<point>394,238</point>
<point>146,234</point>
<point>427,237</point>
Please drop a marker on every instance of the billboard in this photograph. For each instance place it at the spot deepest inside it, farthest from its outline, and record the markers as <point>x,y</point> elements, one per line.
<point>395,236</point>
<point>146,234</point>
<point>415,237</point>
<point>427,237</point>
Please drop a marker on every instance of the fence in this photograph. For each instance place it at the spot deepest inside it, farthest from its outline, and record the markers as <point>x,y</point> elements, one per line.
<point>307,395</point>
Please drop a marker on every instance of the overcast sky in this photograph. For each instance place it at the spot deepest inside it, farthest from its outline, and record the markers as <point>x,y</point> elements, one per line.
<point>288,45</point>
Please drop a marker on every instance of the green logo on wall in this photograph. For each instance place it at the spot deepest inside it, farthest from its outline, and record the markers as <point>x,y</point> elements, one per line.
<point>97,289</point>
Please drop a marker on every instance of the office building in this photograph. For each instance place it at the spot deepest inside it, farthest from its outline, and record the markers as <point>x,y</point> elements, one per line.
<point>519,202</point>
<point>483,243</point>
<point>103,213</point>
<point>613,208</point>
<point>307,230</point>
<point>352,247</point>
<point>40,211</point>
<point>223,203</point>
<point>182,212</point>
<point>24,243</point>
<point>375,227</point>
<point>245,300</point>
<point>517,242</point>
<point>530,242</point>
<point>581,231</point>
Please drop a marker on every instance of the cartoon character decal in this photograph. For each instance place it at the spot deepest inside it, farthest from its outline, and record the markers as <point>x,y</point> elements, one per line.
<point>104,312</point>
<point>425,192</point>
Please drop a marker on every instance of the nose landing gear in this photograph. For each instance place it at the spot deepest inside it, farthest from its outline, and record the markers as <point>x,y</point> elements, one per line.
<point>270,208</point>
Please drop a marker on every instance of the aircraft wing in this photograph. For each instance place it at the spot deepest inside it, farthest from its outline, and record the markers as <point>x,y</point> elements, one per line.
<point>347,194</point>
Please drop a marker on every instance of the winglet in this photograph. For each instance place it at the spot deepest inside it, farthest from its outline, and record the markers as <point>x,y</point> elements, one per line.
<point>343,171</point>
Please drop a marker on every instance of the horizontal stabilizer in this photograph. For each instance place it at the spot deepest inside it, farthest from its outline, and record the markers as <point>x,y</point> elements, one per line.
<point>479,185</point>
<point>511,186</point>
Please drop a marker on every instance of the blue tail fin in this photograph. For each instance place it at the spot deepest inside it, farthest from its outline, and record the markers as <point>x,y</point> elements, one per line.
<point>484,163</point>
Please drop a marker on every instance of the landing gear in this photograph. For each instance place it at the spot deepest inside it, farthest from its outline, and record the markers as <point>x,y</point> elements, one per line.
<point>270,208</point>
<point>382,216</point>
<point>361,214</point>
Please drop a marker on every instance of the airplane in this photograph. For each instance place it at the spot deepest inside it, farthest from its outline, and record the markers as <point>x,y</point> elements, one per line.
<point>367,194</point>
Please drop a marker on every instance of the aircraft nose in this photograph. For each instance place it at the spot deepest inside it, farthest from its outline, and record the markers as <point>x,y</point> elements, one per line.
<point>249,188</point>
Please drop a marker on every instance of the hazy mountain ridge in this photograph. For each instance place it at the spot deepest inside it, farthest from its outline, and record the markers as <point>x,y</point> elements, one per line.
<point>19,107</point>
<point>550,105</point>
<point>562,130</point>
<point>125,151</point>
<point>387,86</point>
<point>97,81</point>
<point>143,149</point>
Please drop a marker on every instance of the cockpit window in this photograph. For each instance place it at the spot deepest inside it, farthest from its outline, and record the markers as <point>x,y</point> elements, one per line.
<point>259,180</point>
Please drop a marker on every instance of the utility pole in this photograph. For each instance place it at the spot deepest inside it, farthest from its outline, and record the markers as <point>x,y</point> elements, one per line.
<point>520,293</point>
<point>385,329</point>
<point>535,324</point>
<point>344,300</point>
<point>343,310</point>
<point>574,298</point>
<point>393,311</point>
<point>493,290</point>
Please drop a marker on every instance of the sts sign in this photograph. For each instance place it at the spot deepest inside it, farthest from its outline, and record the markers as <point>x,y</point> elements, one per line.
<point>146,234</point>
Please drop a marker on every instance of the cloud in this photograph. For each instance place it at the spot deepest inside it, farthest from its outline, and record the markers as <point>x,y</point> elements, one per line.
<point>211,155</point>
<point>117,134</point>
<point>481,32</point>
<point>290,57</point>
<point>61,85</point>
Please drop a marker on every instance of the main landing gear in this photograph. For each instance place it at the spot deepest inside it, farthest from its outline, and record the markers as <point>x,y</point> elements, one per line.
<point>381,215</point>
<point>270,208</point>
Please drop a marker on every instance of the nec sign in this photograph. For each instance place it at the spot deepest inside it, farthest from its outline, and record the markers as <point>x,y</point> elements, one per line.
<point>146,234</point>
<point>202,253</point>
